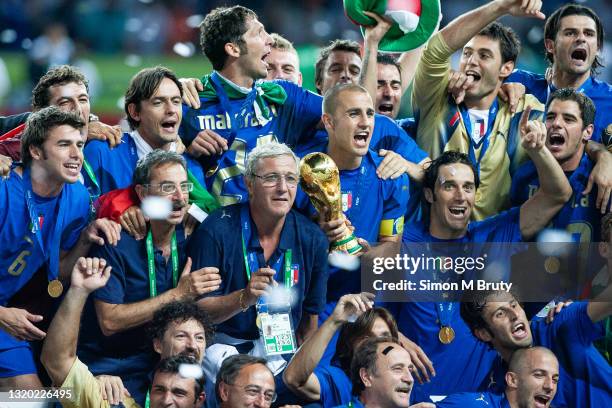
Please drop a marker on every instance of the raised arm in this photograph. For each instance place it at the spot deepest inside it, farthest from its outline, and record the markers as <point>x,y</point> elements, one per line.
<point>59,350</point>
<point>601,175</point>
<point>299,375</point>
<point>554,189</point>
<point>459,31</point>
<point>373,35</point>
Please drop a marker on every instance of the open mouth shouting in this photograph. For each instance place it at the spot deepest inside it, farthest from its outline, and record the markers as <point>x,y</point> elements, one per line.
<point>170,126</point>
<point>555,141</point>
<point>458,211</point>
<point>474,75</point>
<point>519,331</point>
<point>74,168</point>
<point>579,56</point>
<point>361,139</point>
<point>386,108</point>
<point>542,400</point>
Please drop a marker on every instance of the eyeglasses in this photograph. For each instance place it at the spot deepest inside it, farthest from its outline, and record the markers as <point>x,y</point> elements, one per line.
<point>254,391</point>
<point>170,188</point>
<point>273,179</point>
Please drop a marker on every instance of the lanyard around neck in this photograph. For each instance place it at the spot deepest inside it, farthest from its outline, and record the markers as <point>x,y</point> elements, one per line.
<point>151,263</point>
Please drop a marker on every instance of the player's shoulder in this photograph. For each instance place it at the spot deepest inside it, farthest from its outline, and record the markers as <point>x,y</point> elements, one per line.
<point>223,220</point>
<point>602,87</point>
<point>315,146</point>
<point>529,100</point>
<point>102,148</point>
<point>385,122</point>
<point>525,173</point>
<point>310,230</point>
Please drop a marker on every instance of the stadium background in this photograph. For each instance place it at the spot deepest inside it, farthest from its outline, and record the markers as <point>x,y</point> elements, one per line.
<point>112,39</point>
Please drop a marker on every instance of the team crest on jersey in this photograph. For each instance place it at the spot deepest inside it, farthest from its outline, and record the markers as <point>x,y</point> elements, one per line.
<point>347,201</point>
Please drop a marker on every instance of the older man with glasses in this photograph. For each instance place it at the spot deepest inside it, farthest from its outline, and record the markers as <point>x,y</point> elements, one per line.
<point>257,246</point>
<point>146,274</point>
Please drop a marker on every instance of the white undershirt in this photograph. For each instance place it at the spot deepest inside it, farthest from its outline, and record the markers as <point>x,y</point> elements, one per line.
<point>476,118</point>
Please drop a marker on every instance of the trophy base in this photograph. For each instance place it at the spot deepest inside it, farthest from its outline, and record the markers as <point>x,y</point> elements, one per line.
<point>348,244</point>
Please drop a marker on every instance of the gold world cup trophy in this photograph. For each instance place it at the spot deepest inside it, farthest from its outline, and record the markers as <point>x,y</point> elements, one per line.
<point>320,179</point>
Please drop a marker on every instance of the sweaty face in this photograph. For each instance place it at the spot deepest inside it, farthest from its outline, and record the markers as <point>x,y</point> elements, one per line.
<point>160,115</point>
<point>507,323</point>
<point>253,388</point>
<point>388,90</point>
<point>273,199</point>
<point>481,59</point>
<point>258,44</point>
<point>170,390</point>
<point>167,177</point>
<point>575,46</point>
<point>186,338</point>
<point>72,97</point>
<point>392,383</point>
<point>341,67</point>
<point>565,136</point>
<point>452,201</point>
<point>283,65</point>
<point>537,380</point>
<point>61,154</point>
<point>351,124</point>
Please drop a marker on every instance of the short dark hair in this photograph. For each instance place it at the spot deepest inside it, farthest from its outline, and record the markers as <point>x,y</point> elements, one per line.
<point>143,85</point>
<point>221,26</point>
<point>336,45</point>
<point>60,75</point>
<point>331,96</point>
<point>154,159</point>
<point>231,366</point>
<point>178,312</point>
<point>587,108</point>
<point>473,304</point>
<point>352,333</point>
<point>172,365</point>
<point>366,357</point>
<point>553,24</point>
<point>384,58</point>
<point>40,123</point>
<point>509,43</point>
<point>446,158</point>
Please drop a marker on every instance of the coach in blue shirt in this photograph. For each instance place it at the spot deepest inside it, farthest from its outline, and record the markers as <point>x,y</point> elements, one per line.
<point>146,274</point>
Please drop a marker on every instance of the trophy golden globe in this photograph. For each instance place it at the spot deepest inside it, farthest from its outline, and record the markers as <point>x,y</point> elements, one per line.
<point>320,179</point>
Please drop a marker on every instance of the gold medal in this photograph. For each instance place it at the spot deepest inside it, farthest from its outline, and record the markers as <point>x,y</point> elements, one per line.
<point>212,171</point>
<point>55,288</point>
<point>446,334</point>
<point>552,264</point>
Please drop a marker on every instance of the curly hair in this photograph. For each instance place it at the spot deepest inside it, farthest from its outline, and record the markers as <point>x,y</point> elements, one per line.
<point>221,26</point>
<point>179,312</point>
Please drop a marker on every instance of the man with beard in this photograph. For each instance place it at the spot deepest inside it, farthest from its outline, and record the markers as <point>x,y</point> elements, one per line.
<point>497,319</point>
<point>169,387</point>
<point>531,382</point>
<point>381,375</point>
<point>573,39</point>
<point>146,274</point>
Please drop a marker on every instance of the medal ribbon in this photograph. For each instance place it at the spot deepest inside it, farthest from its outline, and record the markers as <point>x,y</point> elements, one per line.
<point>151,263</point>
<point>250,258</point>
<point>444,313</point>
<point>54,250</point>
<point>465,116</point>
<point>91,174</point>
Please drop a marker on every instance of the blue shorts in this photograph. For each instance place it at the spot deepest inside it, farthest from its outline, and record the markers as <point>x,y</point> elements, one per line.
<point>17,361</point>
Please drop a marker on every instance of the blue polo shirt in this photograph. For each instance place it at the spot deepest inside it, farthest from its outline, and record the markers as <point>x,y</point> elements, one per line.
<point>600,93</point>
<point>126,354</point>
<point>218,242</point>
<point>353,403</point>
<point>419,321</point>
<point>335,385</point>
<point>474,400</point>
<point>585,377</point>
<point>115,167</point>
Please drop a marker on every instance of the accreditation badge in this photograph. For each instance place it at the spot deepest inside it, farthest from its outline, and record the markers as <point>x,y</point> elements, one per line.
<point>276,329</point>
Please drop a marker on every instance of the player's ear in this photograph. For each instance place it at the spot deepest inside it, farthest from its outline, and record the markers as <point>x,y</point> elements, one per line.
<point>549,45</point>
<point>587,132</point>
<point>511,380</point>
<point>232,49</point>
<point>428,195</point>
<point>506,69</point>
<point>483,335</point>
<point>328,122</point>
<point>365,377</point>
<point>36,152</point>
<point>134,112</point>
<point>157,346</point>
<point>223,391</point>
<point>140,191</point>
